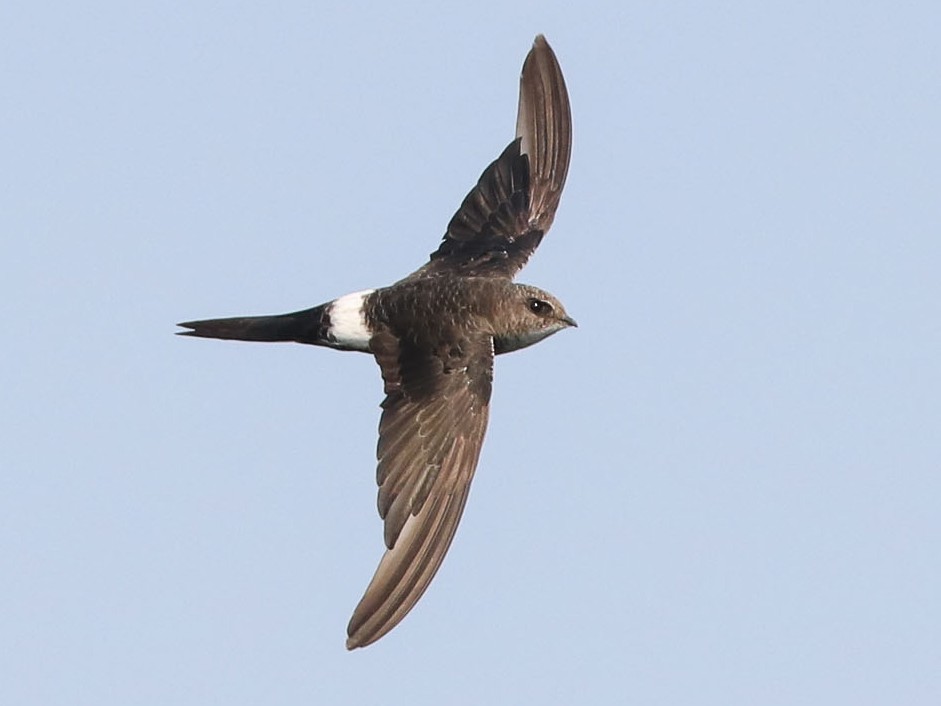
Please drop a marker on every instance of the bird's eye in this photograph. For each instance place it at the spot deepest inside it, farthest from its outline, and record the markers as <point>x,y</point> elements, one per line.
<point>538,306</point>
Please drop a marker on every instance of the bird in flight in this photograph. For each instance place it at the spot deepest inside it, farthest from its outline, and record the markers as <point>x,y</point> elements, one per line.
<point>434,335</point>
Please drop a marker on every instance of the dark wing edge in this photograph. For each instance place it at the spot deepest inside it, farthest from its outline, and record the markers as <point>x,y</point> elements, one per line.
<point>430,435</point>
<point>544,126</point>
<point>502,220</point>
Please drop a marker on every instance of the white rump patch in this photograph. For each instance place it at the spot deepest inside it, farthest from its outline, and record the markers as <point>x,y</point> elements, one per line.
<point>348,321</point>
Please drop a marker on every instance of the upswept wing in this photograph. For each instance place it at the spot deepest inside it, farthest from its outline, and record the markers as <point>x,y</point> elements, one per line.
<point>504,217</point>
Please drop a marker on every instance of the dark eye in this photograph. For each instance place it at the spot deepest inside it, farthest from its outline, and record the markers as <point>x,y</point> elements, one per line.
<point>538,306</point>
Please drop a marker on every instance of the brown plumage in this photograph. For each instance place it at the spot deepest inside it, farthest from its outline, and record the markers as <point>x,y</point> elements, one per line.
<point>434,335</point>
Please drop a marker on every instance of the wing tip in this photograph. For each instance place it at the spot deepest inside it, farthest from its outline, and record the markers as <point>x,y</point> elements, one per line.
<point>364,629</point>
<point>544,127</point>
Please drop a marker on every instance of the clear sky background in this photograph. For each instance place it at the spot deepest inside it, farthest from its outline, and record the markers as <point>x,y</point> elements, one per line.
<point>723,488</point>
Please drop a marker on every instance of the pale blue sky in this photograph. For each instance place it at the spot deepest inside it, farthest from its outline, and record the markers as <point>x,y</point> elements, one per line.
<point>723,488</point>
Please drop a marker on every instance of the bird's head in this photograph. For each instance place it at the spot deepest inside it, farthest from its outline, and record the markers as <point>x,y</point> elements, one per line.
<point>531,315</point>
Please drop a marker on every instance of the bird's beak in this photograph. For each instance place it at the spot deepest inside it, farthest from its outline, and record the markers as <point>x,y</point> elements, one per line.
<point>569,321</point>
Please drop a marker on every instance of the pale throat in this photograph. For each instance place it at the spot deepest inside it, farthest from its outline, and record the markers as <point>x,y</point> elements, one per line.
<point>507,343</point>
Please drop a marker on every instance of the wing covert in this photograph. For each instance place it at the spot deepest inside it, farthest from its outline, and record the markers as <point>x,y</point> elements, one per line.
<point>430,435</point>
<point>502,220</point>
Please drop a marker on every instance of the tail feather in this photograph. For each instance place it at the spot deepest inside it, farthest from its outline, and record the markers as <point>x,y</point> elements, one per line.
<point>306,326</point>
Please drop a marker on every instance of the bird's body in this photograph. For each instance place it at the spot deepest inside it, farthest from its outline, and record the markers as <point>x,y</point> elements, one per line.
<point>434,335</point>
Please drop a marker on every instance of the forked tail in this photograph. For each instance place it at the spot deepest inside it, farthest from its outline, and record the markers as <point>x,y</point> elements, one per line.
<point>307,326</point>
